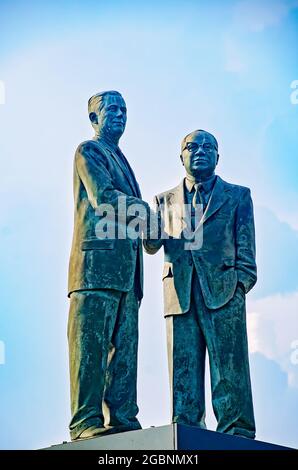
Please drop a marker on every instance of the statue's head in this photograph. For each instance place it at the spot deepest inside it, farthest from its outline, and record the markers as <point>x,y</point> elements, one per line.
<point>199,154</point>
<point>107,113</point>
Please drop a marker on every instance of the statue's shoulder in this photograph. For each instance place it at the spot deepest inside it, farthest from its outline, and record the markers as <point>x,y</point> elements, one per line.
<point>235,188</point>
<point>166,195</point>
<point>91,147</point>
<point>86,146</point>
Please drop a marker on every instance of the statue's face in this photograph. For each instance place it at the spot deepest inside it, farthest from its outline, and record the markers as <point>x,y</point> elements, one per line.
<point>112,117</point>
<point>199,155</point>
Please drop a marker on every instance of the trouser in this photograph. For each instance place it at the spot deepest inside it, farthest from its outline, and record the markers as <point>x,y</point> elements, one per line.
<point>223,332</point>
<point>103,343</point>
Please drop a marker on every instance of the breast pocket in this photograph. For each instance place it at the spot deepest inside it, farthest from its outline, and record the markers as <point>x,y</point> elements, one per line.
<point>97,245</point>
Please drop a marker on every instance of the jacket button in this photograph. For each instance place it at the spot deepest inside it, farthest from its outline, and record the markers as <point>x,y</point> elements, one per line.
<point>190,262</point>
<point>135,245</point>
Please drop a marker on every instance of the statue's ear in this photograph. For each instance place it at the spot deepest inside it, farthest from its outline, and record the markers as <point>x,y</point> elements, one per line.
<point>217,159</point>
<point>93,118</point>
<point>181,158</point>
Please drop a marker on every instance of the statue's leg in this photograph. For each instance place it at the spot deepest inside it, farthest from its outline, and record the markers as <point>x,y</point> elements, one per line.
<point>92,318</point>
<point>186,357</point>
<point>120,397</point>
<point>229,366</point>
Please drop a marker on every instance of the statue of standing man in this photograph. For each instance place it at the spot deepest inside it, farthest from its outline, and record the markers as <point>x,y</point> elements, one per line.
<point>105,281</point>
<point>209,268</point>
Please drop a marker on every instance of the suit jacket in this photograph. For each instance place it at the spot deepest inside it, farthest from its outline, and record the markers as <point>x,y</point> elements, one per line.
<point>227,254</point>
<point>100,177</point>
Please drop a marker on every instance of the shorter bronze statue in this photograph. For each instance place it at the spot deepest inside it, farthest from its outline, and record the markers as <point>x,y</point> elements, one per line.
<point>205,283</point>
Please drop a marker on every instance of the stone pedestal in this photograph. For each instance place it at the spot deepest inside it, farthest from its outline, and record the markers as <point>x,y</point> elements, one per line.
<point>171,437</point>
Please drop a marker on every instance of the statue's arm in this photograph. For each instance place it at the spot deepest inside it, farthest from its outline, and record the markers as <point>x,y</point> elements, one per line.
<point>245,242</point>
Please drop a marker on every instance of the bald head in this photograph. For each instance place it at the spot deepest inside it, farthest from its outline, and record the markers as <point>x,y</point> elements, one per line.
<point>193,134</point>
<point>199,154</point>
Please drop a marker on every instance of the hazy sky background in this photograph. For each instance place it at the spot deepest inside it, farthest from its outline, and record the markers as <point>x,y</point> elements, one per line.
<point>224,66</point>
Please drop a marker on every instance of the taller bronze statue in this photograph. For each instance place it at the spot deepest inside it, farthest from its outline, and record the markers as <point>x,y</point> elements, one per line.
<point>209,245</point>
<point>105,281</point>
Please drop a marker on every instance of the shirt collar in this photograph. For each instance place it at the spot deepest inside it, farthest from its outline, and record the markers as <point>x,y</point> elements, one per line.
<point>206,185</point>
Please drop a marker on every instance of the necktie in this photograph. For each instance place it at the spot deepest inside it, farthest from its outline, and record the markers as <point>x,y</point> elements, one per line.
<point>197,198</point>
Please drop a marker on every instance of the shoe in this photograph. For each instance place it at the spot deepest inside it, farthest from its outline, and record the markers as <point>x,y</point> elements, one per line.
<point>89,433</point>
<point>94,431</point>
<point>124,428</point>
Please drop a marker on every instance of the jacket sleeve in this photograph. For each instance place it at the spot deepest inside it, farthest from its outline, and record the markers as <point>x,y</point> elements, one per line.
<point>154,240</point>
<point>245,242</point>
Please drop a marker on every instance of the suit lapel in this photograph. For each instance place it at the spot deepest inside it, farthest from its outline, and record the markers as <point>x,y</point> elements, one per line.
<point>175,217</point>
<point>134,188</point>
<point>175,197</point>
<point>133,184</point>
<point>133,181</point>
<point>218,197</point>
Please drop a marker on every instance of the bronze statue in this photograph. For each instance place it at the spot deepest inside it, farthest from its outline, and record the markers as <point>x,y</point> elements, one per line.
<point>105,281</point>
<point>205,284</point>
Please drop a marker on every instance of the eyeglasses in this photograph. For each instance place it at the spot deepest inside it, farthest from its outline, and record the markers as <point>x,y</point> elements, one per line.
<point>193,147</point>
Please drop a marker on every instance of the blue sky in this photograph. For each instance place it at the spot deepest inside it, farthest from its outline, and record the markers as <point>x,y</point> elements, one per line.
<point>225,67</point>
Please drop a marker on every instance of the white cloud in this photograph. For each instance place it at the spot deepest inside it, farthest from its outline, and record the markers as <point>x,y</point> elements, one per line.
<point>252,16</point>
<point>273,331</point>
<point>256,16</point>
<point>291,218</point>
